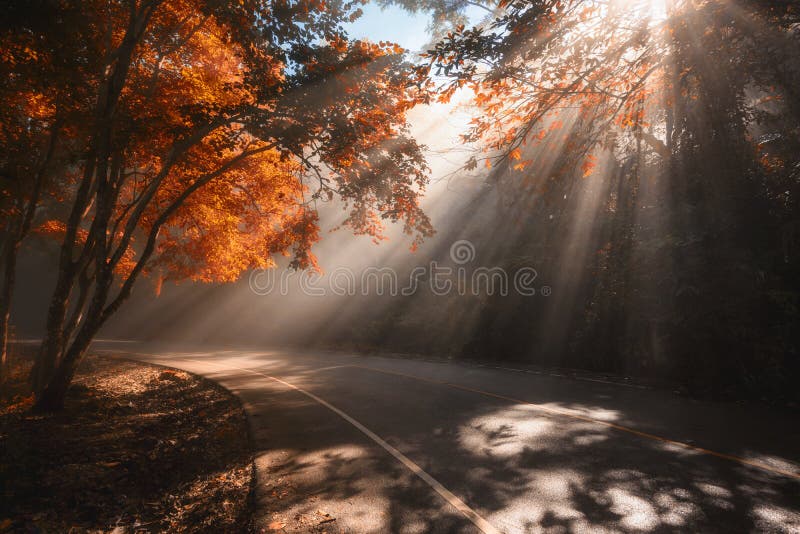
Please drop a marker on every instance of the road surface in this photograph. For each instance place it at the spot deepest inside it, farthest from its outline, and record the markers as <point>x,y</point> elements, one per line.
<point>351,443</point>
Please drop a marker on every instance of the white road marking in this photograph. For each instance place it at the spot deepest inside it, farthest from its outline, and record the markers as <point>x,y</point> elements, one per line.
<point>446,494</point>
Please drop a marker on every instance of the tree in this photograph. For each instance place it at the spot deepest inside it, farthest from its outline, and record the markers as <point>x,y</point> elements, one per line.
<point>41,70</point>
<point>212,130</point>
<point>611,97</point>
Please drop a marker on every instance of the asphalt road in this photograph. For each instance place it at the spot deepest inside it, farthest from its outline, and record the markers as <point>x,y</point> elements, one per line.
<point>372,444</point>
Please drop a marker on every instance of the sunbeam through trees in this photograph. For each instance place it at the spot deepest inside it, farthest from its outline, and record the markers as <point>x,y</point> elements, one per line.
<point>571,198</point>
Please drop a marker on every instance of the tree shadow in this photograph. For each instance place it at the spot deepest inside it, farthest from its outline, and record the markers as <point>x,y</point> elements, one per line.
<point>521,467</point>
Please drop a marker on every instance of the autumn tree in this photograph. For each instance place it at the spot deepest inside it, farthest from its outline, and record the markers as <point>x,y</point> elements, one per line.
<point>42,67</point>
<point>211,130</point>
<point>28,140</point>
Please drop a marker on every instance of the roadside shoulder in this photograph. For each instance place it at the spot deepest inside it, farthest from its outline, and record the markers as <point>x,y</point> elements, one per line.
<point>138,447</point>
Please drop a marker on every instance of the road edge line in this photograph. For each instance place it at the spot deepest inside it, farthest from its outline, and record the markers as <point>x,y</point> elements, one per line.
<point>476,519</point>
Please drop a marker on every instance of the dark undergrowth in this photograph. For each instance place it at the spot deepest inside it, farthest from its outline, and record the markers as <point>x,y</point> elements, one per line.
<point>138,448</point>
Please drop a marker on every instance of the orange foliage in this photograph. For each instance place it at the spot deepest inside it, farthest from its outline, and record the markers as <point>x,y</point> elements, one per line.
<point>237,222</point>
<point>188,79</point>
<point>561,69</point>
<point>588,165</point>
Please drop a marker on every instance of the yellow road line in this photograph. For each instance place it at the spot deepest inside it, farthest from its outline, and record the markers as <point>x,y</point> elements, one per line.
<point>579,417</point>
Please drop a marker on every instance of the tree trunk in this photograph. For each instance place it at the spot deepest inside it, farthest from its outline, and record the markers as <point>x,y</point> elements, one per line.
<point>55,365</point>
<point>53,339</point>
<point>6,290</point>
<point>52,396</point>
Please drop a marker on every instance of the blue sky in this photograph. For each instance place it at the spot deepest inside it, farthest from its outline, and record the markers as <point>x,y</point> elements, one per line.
<point>391,24</point>
<point>397,25</point>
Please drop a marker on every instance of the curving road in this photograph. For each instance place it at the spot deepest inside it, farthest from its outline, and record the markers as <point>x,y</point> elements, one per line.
<point>374,444</point>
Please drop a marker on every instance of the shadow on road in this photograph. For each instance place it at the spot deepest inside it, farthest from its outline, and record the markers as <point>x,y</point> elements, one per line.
<point>523,469</point>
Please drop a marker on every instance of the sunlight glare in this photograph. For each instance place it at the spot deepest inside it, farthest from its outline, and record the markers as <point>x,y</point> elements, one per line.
<point>655,11</point>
